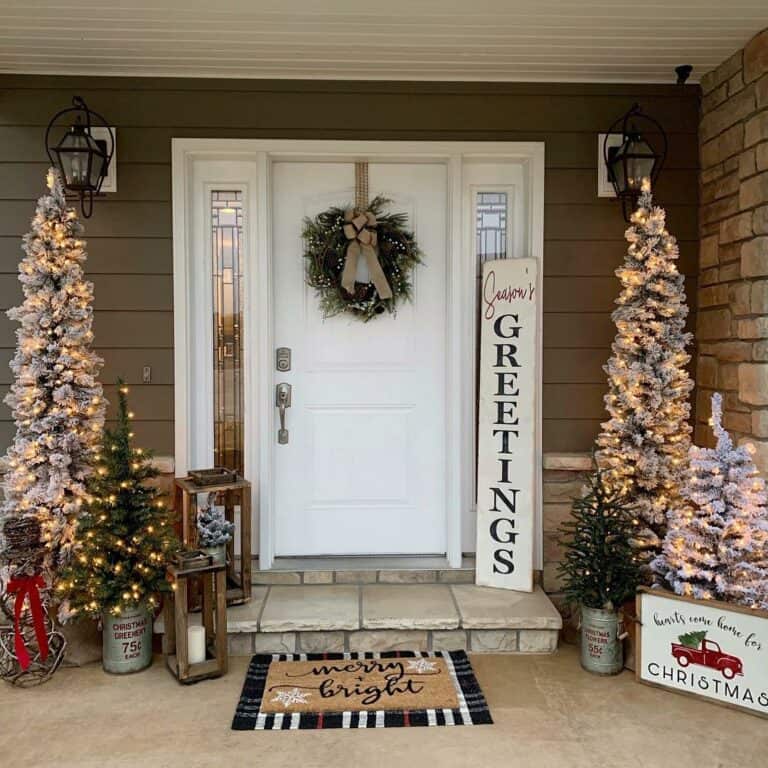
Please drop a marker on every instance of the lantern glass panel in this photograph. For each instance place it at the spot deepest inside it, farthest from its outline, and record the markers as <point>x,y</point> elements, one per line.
<point>81,159</point>
<point>74,155</point>
<point>640,161</point>
<point>616,166</point>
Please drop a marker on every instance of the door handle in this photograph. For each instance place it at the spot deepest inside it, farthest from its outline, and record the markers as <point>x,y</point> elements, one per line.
<point>282,401</point>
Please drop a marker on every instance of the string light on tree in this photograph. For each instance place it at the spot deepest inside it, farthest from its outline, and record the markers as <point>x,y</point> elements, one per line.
<point>57,402</point>
<point>717,542</point>
<point>126,532</point>
<point>644,443</point>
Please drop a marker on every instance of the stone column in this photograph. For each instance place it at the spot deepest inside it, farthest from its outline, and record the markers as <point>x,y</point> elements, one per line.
<point>732,323</point>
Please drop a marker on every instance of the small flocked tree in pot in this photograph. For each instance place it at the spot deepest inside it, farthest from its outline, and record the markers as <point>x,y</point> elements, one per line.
<point>124,540</point>
<point>600,570</point>
<point>214,530</point>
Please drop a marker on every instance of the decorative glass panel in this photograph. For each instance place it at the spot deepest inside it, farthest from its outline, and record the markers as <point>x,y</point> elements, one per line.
<point>490,227</point>
<point>490,244</point>
<point>226,260</point>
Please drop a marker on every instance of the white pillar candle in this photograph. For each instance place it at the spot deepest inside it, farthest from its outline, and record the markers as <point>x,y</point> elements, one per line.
<point>196,644</point>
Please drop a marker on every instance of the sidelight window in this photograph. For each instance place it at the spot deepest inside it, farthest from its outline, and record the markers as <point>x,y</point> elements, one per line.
<point>490,227</point>
<point>226,260</point>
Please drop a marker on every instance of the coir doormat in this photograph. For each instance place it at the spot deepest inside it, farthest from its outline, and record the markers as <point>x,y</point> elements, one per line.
<point>360,690</point>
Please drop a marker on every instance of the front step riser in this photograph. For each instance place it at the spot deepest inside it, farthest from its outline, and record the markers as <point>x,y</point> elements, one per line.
<point>522,641</point>
<point>383,576</point>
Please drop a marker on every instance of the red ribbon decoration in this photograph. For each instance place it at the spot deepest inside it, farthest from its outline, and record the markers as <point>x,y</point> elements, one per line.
<point>23,587</point>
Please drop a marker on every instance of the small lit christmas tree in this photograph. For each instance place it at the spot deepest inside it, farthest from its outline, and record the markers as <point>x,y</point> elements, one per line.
<point>644,444</point>
<point>57,402</point>
<point>717,542</point>
<point>125,536</point>
<point>598,568</point>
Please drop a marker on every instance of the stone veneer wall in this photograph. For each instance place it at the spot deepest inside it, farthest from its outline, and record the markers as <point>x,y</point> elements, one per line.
<point>732,323</point>
<point>563,480</point>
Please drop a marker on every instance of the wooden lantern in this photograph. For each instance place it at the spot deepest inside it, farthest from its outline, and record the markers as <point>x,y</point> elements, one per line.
<point>235,493</point>
<point>210,581</point>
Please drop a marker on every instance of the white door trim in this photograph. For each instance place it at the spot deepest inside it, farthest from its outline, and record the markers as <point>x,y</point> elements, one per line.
<point>191,385</point>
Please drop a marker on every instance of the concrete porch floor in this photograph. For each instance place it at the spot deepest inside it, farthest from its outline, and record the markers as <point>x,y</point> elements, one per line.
<point>547,712</point>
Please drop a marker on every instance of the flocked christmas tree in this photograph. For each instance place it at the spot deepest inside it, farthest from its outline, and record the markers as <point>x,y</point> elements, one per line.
<point>125,536</point>
<point>213,528</point>
<point>644,444</point>
<point>717,542</point>
<point>57,402</point>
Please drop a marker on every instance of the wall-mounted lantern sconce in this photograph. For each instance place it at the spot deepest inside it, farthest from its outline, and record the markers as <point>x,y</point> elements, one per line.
<point>635,158</point>
<point>81,158</point>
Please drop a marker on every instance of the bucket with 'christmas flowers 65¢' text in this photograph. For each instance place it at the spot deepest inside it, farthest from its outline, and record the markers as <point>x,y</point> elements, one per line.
<point>601,648</point>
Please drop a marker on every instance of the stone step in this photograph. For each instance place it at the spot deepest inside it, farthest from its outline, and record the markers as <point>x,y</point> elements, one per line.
<point>312,618</point>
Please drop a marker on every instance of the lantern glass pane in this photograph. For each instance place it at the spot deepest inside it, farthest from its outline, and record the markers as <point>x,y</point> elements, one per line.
<point>98,167</point>
<point>640,161</point>
<point>75,155</point>
<point>616,167</point>
<point>226,210</point>
<point>639,168</point>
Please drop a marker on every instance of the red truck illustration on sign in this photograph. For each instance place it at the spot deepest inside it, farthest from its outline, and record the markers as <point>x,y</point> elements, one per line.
<point>694,648</point>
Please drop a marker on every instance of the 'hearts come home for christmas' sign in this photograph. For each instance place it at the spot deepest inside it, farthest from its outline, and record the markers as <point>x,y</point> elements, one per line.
<point>706,648</point>
<point>506,469</point>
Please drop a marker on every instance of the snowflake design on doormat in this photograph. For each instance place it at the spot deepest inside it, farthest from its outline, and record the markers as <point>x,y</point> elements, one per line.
<point>420,666</point>
<point>289,698</point>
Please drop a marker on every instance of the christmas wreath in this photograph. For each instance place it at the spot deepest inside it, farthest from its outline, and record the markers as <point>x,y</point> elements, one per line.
<point>337,239</point>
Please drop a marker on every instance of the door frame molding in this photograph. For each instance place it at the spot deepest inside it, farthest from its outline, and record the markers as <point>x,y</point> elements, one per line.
<point>193,389</point>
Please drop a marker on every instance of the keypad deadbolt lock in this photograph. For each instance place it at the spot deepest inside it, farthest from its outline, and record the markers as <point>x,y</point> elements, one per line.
<point>283,359</point>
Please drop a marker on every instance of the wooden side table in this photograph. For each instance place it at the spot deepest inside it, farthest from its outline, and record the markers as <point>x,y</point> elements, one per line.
<point>235,494</point>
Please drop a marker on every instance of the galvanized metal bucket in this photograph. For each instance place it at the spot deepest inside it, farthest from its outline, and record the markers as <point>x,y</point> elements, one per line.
<point>601,648</point>
<point>127,641</point>
<point>218,553</point>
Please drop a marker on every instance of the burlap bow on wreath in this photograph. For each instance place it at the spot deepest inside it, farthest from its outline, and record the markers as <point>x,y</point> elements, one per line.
<point>335,241</point>
<point>360,230</point>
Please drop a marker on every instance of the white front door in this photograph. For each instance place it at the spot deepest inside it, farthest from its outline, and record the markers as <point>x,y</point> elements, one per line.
<point>364,468</point>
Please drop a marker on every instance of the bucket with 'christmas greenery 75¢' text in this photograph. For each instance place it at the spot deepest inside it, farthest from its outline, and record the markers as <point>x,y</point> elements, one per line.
<point>127,641</point>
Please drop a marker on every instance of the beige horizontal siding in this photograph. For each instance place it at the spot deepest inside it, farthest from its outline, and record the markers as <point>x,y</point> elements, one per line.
<point>129,236</point>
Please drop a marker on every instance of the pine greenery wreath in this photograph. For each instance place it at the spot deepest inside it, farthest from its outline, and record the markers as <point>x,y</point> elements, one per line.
<point>325,247</point>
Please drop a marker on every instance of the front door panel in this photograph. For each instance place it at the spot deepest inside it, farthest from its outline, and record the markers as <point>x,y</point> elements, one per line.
<point>363,471</point>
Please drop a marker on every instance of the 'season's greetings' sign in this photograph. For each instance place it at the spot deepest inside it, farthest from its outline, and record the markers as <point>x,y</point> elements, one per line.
<point>706,649</point>
<point>506,430</point>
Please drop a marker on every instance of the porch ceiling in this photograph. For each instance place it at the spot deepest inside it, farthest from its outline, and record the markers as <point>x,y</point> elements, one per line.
<point>505,40</point>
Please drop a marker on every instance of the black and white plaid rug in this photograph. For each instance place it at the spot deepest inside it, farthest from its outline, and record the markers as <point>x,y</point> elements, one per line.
<point>472,709</point>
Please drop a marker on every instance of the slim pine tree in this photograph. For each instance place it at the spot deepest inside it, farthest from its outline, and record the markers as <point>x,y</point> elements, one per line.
<point>717,542</point>
<point>125,536</point>
<point>598,567</point>
<point>644,444</point>
<point>57,402</point>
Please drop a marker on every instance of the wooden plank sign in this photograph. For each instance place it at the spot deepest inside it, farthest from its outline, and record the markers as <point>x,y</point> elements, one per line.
<point>506,470</point>
<point>705,648</point>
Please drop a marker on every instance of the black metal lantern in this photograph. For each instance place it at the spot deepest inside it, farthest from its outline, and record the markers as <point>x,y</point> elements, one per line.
<point>82,160</point>
<point>635,160</point>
